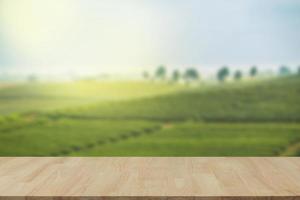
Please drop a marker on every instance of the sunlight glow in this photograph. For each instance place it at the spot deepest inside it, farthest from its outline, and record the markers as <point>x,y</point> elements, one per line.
<point>114,35</point>
<point>117,36</point>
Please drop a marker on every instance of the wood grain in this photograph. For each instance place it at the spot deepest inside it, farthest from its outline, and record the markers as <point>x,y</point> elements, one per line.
<point>149,178</point>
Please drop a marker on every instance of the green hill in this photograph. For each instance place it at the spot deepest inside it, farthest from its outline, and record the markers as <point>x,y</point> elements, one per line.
<point>273,100</point>
<point>255,118</point>
<point>47,96</point>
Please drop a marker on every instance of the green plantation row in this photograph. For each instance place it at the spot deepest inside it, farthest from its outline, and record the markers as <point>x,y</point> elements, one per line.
<point>61,137</point>
<point>272,101</point>
<point>145,138</point>
<point>207,139</point>
<point>32,97</point>
<point>259,118</point>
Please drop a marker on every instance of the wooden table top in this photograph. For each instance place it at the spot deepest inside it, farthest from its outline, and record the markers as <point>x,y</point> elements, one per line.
<point>149,178</point>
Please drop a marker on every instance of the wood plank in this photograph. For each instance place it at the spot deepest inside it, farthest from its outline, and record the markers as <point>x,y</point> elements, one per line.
<point>149,178</point>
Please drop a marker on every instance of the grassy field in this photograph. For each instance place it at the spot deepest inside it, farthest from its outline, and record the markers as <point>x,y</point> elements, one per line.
<point>273,100</point>
<point>27,97</point>
<point>87,118</point>
<point>206,139</point>
<point>60,137</point>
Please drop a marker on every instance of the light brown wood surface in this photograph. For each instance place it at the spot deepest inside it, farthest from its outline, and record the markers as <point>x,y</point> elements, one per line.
<point>149,178</point>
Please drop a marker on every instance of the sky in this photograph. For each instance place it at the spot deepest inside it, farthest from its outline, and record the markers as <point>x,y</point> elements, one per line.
<point>131,35</point>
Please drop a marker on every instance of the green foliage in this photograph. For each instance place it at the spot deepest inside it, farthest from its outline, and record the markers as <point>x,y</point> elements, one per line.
<point>176,75</point>
<point>274,100</point>
<point>191,74</point>
<point>146,75</point>
<point>32,78</point>
<point>2,120</point>
<point>257,118</point>
<point>223,73</point>
<point>284,71</point>
<point>238,75</point>
<point>253,71</point>
<point>59,137</point>
<point>161,72</point>
<point>206,139</point>
<point>52,96</point>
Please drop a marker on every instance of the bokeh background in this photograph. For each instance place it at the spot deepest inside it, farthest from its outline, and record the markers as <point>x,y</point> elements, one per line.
<point>149,78</point>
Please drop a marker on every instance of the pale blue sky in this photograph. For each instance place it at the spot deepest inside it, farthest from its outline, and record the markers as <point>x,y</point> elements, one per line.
<point>111,35</point>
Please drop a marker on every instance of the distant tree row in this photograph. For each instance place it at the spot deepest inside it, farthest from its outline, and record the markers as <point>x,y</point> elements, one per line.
<point>191,74</point>
<point>224,73</point>
<point>285,70</point>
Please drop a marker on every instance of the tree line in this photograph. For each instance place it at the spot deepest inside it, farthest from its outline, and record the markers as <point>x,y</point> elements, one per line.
<point>192,74</point>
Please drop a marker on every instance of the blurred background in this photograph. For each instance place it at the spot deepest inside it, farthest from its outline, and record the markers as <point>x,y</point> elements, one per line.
<point>149,78</point>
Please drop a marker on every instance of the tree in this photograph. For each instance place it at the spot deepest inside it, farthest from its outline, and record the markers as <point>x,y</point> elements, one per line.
<point>161,72</point>
<point>32,78</point>
<point>223,73</point>
<point>253,71</point>
<point>146,75</point>
<point>175,75</point>
<point>299,70</point>
<point>191,74</point>
<point>238,75</point>
<point>284,70</point>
